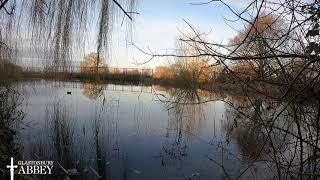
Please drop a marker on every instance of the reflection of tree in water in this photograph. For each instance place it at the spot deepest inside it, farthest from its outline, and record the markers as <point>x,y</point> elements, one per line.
<point>246,126</point>
<point>106,137</point>
<point>239,100</point>
<point>101,143</point>
<point>249,134</point>
<point>186,110</point>
<point>304,126</point>
<point>280,138</point>
<point>283,135</point>
<point>186,116</point>
<point>92,90</point>
<point>56,141</point>
<point>190,95</point>
<point>83,150</point>
<point>10,114</point>
<point>175,147</point>
<point>62,126</point>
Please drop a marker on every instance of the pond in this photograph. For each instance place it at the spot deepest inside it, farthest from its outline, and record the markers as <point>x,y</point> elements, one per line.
<point>113,131</point>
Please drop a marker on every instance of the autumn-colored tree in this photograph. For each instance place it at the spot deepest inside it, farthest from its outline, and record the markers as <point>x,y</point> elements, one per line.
<point>254,40</point>
<point>135,72</point>
<point>189,68</point>
<point>90,63</point>
<point>164,72</point>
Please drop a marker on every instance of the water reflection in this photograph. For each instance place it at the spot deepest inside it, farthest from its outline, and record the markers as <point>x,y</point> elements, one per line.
<point>92,90</point>
<point>101,152</point>
<point>127,133</point>
<point>281,135</point>
<point>11,115</point>
<point>247,133</point>
<point>185,116</point>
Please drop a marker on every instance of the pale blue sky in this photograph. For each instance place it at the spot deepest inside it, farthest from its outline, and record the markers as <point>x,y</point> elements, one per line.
<point>157,28</point>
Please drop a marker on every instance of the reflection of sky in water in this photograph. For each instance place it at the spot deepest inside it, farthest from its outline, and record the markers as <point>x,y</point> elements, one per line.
<point>138,138</point>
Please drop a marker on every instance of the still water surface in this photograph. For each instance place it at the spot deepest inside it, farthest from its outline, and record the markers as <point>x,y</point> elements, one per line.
<point>132,132</point>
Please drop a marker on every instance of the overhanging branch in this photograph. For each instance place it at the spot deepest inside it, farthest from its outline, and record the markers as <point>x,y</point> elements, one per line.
<point>3,3</point>
<point>124,11</point>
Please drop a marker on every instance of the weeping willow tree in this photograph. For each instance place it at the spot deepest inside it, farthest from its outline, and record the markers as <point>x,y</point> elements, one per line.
<point>60,27</point>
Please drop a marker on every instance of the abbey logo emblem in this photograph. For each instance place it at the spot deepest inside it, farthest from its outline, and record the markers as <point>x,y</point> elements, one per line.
<point>30,167</point>
<point>12,167</point>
